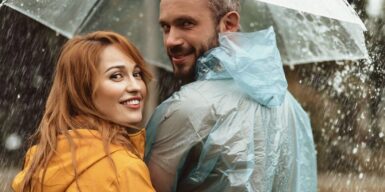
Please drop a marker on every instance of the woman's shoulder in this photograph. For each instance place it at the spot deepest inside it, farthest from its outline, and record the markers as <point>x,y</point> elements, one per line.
<point>29,154</point>
<point>124,158</point>
<point>132,172</point>
<point>127,173</point>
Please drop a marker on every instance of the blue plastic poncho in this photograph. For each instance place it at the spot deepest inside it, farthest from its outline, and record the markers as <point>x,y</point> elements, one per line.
<point>236,128</point>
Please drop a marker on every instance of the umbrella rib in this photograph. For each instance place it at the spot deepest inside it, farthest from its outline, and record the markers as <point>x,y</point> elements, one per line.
<point>2,3</point>
<point>89,15</point>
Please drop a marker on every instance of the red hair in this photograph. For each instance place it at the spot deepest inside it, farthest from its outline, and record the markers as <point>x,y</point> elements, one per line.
<point>70,105</point>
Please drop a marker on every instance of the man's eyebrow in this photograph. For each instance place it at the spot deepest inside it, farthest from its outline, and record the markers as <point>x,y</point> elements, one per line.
<point>184,18</point>
<point>178,20</point>
<point>161,22</point>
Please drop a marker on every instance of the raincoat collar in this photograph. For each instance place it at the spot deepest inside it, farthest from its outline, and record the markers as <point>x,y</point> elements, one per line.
<point>252,60</point>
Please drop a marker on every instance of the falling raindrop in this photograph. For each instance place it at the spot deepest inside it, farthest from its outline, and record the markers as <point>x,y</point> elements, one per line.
<point>348,182</point>
<point>361,175</point>
<point>13,142</point>
<point>346,100</point>
<point>374,8</point>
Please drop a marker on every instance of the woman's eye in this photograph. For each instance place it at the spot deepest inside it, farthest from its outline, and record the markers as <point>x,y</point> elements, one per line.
<point>116,76</point>
<point>137,73</point>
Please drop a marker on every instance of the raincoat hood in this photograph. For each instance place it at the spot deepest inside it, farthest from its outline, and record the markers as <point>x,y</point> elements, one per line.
<point>252,60</point>
<point>89,151</point>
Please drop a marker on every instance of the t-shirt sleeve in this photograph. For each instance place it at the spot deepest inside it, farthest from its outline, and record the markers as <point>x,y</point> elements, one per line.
<point>175,127</point>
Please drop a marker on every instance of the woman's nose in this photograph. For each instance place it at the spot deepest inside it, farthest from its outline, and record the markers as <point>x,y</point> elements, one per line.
<point>133,84</point>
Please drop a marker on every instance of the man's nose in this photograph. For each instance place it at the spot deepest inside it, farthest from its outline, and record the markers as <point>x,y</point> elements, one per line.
<point>173,38</point>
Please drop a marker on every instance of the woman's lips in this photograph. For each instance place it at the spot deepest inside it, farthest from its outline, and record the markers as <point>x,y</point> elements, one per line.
<point>133,103</point>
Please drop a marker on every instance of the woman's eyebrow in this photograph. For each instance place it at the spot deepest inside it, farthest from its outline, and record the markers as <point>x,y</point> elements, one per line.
<point>115,66</point>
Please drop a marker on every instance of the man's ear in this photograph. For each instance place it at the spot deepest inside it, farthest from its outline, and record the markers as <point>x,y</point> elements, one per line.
<point>230,22</point>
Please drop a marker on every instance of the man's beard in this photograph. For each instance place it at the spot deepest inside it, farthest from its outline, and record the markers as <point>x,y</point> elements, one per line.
<point>190,76</point>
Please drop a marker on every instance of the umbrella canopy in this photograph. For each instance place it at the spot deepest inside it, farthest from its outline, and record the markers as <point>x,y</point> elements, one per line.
<point>307,30</point>
<point>136,19</point>
<point>325,8</point>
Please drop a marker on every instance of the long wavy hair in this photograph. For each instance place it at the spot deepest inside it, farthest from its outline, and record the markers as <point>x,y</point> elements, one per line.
<point>70,106</point>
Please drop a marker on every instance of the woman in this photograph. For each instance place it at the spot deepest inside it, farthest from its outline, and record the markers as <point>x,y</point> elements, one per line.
<point>88,138</point>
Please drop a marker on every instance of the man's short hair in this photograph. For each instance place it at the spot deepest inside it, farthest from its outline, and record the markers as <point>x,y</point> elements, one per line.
<point>219,8</point>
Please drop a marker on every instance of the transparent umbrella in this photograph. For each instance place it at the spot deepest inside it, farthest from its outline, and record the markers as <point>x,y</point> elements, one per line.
<point>309,30</point>
<point>136,19</point>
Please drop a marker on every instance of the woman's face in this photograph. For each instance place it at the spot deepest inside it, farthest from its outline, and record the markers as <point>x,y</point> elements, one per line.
<point>120,89</point>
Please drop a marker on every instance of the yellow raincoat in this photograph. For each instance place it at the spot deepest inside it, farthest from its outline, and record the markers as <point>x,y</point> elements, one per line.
<point>95,172</point>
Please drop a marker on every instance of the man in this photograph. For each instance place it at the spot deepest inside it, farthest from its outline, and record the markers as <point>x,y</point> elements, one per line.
<point>225,131</point>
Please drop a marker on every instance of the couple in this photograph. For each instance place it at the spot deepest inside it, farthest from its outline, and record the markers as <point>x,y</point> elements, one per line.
<point>231,127</point>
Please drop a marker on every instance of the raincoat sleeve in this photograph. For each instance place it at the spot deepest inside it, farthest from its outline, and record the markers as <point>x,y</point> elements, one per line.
<point>304,151</point>
<point>171,134</point>
<point>20,176</point>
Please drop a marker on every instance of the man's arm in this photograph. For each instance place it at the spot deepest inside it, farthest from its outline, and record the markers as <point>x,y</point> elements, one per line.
<point>175,127</point>
<point>161,180</point>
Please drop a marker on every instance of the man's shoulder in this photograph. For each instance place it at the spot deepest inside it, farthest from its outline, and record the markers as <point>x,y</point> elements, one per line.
<point>193,97</point>
<point>198,100</point>
<point>208,89</point>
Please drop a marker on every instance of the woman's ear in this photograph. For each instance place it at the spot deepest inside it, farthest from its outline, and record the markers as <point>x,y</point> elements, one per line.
<point>230,22</point>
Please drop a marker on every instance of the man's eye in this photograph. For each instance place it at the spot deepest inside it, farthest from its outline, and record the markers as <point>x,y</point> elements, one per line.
<point>187,24</point>
<point>165,28</point>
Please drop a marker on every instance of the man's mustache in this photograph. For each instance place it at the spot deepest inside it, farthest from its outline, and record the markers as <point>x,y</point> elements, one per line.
<point>180,50</point>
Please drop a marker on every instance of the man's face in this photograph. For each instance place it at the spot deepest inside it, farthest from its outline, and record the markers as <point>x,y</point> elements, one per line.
<point>189,30</point>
